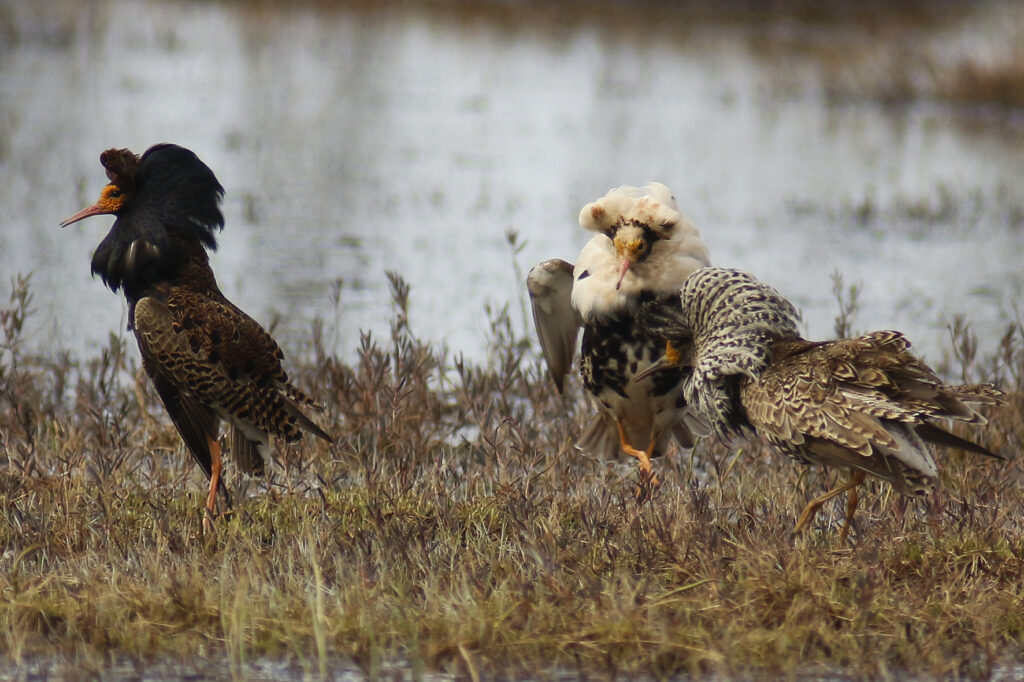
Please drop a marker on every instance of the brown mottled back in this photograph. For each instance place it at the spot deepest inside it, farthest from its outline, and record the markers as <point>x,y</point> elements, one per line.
<point>859,403</point>
<point>207,357</point>
<point>862,403</point>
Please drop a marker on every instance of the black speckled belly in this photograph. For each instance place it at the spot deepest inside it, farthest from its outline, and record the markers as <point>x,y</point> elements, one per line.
<point>614,352</point>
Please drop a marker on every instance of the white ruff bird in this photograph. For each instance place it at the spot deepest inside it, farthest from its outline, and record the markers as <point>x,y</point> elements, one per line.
<point>864,404</point>
<point>644,248</point>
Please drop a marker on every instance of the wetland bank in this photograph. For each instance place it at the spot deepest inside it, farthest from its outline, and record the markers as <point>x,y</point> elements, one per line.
<point>452,527</point>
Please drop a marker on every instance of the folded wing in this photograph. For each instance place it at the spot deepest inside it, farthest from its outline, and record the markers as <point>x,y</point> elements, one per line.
<point>550,286</point>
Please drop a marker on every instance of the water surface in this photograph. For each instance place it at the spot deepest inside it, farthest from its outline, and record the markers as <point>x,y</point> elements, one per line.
<point>353,139</point>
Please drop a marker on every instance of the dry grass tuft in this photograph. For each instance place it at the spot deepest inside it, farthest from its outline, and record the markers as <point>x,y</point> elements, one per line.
<point>453,527</point>
<point>969,55</point>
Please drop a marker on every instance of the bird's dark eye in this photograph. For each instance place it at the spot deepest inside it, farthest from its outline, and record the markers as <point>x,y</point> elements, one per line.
<point>115,194</point>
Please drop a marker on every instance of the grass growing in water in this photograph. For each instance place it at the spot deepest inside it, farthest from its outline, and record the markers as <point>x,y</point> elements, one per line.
<point>452,526</point>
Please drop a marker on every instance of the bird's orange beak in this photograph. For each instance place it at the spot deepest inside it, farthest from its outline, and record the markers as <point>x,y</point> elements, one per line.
<point>629,250</point>
<point>111,200</point>
<point>99,208</point>
<point>622,274</point>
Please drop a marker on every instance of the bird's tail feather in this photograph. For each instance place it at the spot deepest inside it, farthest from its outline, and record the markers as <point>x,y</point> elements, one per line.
<point>246,453</point>
<point>933,434</point>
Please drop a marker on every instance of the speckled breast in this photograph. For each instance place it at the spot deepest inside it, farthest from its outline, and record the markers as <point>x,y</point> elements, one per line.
<point>613,353</point>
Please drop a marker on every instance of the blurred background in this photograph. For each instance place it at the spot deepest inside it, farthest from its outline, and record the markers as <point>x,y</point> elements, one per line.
<point>883,141</point>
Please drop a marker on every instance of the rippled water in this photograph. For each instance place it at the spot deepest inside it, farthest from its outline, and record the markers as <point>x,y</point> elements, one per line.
<point>356,139</point>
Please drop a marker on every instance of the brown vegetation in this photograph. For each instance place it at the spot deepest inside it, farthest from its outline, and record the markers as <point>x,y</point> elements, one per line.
<point>452,526</point>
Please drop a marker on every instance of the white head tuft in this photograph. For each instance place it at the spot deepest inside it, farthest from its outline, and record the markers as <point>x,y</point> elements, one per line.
<point>652,205</point>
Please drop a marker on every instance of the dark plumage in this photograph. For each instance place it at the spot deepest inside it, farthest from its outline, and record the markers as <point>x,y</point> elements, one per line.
<point>168,191</point>
<point>208,360</point>
<point>864,404</point>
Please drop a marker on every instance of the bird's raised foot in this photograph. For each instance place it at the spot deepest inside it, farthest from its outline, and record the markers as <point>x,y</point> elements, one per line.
<point>850,487</point>
<point>646,486</point>
<point>648,479</point>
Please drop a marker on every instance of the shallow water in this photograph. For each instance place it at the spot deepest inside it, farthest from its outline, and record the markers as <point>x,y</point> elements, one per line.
<point>339,670</point>
<point>356,139</point>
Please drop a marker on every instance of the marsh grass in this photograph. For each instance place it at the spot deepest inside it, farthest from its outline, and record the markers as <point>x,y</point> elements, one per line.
<point>453,527</point>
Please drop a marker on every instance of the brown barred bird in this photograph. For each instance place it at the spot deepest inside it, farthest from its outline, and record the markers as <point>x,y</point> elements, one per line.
<point>207,359</point>
<point>644,247</point>
<point>864,404</point>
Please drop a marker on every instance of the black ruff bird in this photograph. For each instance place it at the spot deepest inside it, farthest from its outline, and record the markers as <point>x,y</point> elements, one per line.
<point>864,404</point>
<point>644,247</point>
<point>208,359</point>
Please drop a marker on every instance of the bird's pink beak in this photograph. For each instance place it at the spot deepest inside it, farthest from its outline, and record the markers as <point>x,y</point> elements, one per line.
<point>95,209</point>
<point>622,275</point>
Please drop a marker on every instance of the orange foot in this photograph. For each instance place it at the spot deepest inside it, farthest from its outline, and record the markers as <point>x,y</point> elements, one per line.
<point>216,465</point>
<point>850,487</point>
<point>648,479</point>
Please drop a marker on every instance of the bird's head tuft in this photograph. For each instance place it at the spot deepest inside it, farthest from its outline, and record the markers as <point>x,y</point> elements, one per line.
<point>651,205</point>
<point>122,165</point>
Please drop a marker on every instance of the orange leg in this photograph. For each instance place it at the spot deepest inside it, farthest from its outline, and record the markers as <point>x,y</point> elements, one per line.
<point>647,477</point>
<point>211,499</point>
<point>856,477</point>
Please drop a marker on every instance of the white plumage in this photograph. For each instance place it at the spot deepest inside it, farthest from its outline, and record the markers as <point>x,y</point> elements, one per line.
<point>644,247</point>
<point>626,212</point>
